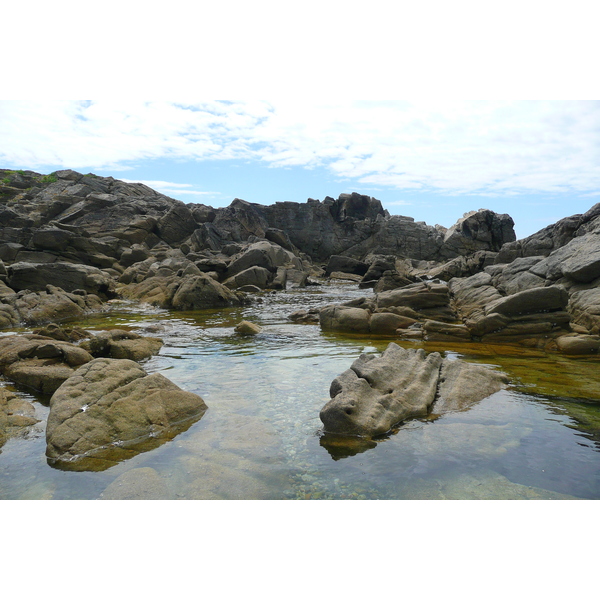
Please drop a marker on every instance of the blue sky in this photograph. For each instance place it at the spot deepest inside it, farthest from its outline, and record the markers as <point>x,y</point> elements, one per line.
<point>431,160</point>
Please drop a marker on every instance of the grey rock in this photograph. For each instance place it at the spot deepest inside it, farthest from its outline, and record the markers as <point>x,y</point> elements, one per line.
<point>255,276</point>
<point>377,393</point>
<point>69,277</point>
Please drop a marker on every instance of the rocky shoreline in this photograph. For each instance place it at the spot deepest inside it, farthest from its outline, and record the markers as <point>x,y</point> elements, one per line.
<point>70,243</point>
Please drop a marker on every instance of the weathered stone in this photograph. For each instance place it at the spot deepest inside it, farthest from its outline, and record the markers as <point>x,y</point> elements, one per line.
<point>310,316</point>
<point>417,296</point>
<point>262,254</point>
<point>247,328</point>
<point>177,224</point>
<point>118,343</point>
<point>344,318</point>
<point>39,363</point>
<point>377,393</point>
<point>584,307</point>
<point>200,292</point>
<point>385,323</point>
<point>345,264</point>
<point>158,291</point>
<point>345,276</point>
<point>391,280</point>
<point>111,409</point>
<point>69,277</point>
<point>54,304</point>
<point>438,331</point>
<point>255,276</point>
<point>56,332</point>
<point>578,344</point>
<point>534,300</point>
<point>280,280</point>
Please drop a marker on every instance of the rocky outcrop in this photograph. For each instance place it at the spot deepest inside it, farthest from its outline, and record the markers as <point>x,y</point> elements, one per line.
<point>553,237</point>
<point>51,305</point>
<point>39,363</point>
<point>388,312</point>
<point>532,301</point>
<point>110,410</point>
<point>182,293</point>
<point>69,277</point>
<point>377,393</point>
<point>95,221</point>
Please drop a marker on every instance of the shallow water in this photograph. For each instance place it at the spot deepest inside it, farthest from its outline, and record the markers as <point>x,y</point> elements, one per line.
<point>261,437</point>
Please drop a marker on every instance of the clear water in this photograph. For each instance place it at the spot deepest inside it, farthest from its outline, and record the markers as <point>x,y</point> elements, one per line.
<point>261,437</point>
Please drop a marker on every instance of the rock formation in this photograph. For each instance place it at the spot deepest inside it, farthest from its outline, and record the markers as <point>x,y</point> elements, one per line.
<point>112,409</point>
<point>376,393</point>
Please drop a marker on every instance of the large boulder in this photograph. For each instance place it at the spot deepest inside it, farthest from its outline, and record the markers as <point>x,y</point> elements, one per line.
<point>345,318</point>
<point>182,293</point>
<point>376,393</point>
<point>479,230</point>
<point>537,313</point>
<point>345,264</point>
<point>202,291</point>
<point>262,254</point>
<point>110,410</point>
<point>257,276</point>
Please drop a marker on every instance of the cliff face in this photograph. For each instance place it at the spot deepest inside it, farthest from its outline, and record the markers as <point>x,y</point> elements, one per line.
<point>93,220</point>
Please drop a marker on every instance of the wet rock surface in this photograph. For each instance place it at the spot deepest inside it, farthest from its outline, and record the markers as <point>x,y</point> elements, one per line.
<point>16,415</point>
<point>377,393</point>
<point>111,409</point>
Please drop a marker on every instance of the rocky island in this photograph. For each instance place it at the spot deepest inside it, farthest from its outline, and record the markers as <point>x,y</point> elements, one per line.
<point>73,244</point>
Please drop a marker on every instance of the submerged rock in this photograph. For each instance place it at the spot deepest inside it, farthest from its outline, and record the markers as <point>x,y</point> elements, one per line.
<point>16,415</point>
<point>111,409</point>
<point>377,393</point>
<point>247,328</point>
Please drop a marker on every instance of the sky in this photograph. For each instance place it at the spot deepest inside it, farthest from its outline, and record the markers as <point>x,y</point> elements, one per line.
<point>432,160</point>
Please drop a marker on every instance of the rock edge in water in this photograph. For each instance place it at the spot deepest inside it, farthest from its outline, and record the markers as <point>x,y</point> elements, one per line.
<point>110,410</point>
<point>376,393</point>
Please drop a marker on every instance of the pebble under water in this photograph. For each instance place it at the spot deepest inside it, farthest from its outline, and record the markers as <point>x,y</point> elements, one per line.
<point>261,437</point>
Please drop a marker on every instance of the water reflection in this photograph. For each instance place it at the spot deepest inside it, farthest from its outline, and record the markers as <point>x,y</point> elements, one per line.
<point>340,446</point>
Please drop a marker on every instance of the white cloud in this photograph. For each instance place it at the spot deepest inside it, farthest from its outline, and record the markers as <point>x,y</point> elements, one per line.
<point>170,188</point>
<point>453,147</point>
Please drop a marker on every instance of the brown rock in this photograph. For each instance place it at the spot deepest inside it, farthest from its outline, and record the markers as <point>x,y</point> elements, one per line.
<point>112,409</point>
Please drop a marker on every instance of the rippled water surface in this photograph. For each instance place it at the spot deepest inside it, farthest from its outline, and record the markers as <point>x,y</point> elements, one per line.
<point>261,437</point>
